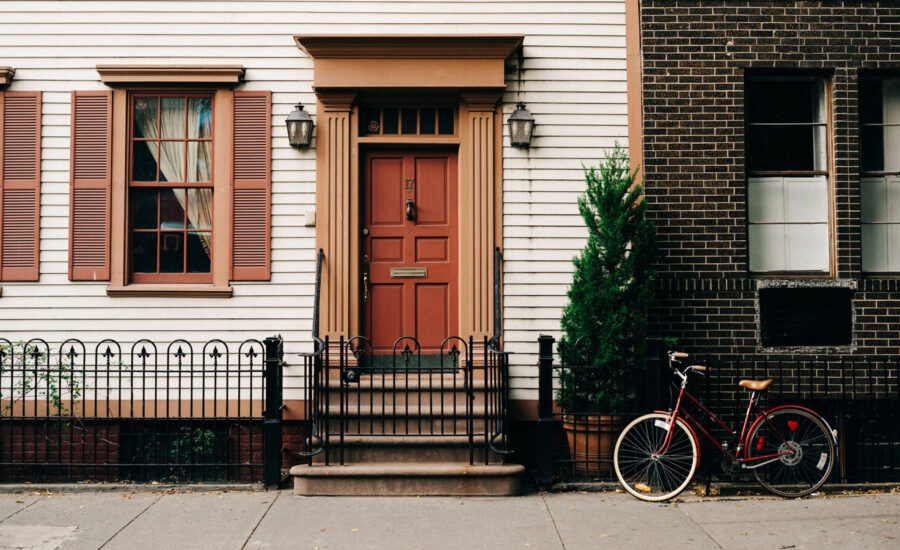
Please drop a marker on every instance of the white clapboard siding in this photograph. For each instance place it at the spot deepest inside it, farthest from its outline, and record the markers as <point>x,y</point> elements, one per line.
<point>572,78</point>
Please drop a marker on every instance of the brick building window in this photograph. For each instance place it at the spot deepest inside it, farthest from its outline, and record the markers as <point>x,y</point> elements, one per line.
<point>787,183</point>
<point>879,114</point>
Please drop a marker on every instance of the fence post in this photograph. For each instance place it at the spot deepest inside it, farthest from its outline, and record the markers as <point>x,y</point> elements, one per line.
<point>545,410</point>
<point>654,363</point>
<point>272,443</point>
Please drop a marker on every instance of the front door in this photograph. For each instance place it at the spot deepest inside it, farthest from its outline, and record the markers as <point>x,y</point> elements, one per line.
<point>410,247</point>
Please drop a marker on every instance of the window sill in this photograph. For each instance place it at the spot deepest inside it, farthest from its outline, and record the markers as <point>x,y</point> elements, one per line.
<point>165,291</point>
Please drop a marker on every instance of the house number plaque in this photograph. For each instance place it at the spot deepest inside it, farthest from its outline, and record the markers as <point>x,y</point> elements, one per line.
<point>409,273</point>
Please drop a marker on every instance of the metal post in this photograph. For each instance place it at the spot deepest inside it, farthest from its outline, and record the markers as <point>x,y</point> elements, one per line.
<point>545,410</point>
<point>272,444</point>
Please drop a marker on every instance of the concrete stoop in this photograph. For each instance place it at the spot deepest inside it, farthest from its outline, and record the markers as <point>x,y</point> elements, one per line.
<point>408,479</point>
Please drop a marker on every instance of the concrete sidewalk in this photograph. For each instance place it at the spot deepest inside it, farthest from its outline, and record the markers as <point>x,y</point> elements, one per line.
<point>540,521</point>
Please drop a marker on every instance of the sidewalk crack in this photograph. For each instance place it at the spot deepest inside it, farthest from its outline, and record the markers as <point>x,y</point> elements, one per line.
<point>261,518</point>
<point>553,520</point>
<point>29,505</point>
<point>141,513</point>
<point>695,522</point>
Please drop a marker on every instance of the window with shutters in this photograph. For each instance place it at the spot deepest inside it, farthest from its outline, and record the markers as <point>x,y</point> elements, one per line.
<point>787,185</point>
<point>879,115</point>
<point>171,188</point>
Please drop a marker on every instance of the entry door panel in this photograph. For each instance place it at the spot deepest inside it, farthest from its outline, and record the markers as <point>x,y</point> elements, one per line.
<point>424,307</point>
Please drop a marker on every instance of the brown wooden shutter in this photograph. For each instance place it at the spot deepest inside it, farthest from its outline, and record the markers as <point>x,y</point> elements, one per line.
<point>89,199</point>
<point>252,187</point>
<point>20,181</point>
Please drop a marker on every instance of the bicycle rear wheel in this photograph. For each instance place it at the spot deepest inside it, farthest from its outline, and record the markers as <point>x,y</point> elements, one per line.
<point>644,468</point>
<point>801,433</point>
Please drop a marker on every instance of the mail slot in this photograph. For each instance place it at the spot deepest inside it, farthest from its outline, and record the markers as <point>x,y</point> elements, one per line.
<point>409,273</point>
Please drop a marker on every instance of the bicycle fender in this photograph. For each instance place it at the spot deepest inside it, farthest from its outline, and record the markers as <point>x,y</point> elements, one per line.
<point>812,412</point>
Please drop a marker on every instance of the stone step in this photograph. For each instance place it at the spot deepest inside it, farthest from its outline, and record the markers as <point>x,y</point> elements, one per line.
<point>400,420</point>
<point>409,478</point>
<point>412,395</point>
<point>399,449</point>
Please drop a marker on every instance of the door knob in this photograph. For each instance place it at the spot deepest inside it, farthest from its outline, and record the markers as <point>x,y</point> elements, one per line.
<point>410,209</point>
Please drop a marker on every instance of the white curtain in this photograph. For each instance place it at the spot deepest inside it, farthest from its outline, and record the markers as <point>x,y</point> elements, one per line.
<point>170,158</point>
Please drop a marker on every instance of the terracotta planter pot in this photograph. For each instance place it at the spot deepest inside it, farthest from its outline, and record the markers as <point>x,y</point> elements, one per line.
<point>592,439</point>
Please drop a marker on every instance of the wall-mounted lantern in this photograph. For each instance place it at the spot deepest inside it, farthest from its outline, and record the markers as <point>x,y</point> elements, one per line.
<point>299,127</point>
<point>521,126</point>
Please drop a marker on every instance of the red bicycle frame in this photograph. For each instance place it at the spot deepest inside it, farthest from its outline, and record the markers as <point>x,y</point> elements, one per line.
<point>742,445</point>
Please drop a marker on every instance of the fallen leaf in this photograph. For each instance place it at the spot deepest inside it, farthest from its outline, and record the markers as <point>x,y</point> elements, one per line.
<point>642,488</point>
<point>354,530</point>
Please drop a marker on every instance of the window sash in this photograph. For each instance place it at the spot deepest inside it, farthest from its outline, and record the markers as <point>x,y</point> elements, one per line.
<point>788,227</point>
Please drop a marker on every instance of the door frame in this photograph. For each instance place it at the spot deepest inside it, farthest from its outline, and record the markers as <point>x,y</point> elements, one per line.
<point>470,69</point>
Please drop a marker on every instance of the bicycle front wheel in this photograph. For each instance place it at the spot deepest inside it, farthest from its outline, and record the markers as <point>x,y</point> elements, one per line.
<point>646,466</point>
<point>803,452</point>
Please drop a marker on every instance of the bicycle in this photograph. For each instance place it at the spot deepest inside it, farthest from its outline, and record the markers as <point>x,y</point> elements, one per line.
<point>789,449</point>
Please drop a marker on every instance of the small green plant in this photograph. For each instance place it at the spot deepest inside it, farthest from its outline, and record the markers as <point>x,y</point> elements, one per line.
<point>605,321</point>
<point>35,378</point>
<point>193,443</point>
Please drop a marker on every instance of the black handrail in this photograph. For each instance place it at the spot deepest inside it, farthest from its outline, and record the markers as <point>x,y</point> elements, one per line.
<point>494,342</point>
<point>313,369</point>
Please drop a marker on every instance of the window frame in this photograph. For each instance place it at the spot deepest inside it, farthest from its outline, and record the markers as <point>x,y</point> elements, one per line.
<point>160,277</point>
<point>828,173</point>
<point>121,283</point>
<point>885,175</point>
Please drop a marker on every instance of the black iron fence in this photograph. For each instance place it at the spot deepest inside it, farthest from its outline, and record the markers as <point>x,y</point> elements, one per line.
<point>578,446</point>
<point>455,391</point>
<point>102,412</point>
<point>860,397</point>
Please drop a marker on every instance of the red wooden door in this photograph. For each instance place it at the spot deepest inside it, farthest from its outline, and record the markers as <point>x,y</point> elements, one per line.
<point>411,258</point>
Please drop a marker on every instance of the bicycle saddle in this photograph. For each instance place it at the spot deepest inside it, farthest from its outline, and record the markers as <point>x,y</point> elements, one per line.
<point>755,385</point>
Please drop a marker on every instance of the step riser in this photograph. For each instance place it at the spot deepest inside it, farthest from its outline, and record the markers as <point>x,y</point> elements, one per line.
<point>411,400</point>
<point>404,426</point>
<point>364,454</point>
<point>408,486</point>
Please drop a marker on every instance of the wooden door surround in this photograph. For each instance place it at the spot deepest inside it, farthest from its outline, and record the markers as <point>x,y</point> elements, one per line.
<point>349,68</point>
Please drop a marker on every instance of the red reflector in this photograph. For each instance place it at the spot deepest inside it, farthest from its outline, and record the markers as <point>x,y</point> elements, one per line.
<point>759,444</point>
<point>792,424</point>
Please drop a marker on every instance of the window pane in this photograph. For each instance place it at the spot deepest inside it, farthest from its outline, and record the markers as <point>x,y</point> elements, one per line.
<point>143,252</point>
<point>371,120</point>
<point>171,166</point>
<point>198,252</point>
<point>199,208</point>
<point>391,122</point>
<point>872,150</point>
<point>892,148</point>
<point>777,148</point>
<point>875,239</point>
<point>146,112</point>
<point>199,121</point>
<point>144,212</point>
<point>171,253</point>
<point>785,100</point>
<point>143,161</point>
<point>767,247</point>
<point>445,121</point>
<point>171,209</point>
<point>171,117</point>
<point>199,161</point>
<point>410,124</point>
<point>870,101</point>
<point>427,121</point>
<point>892,100</point>
<point>807,246</point>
